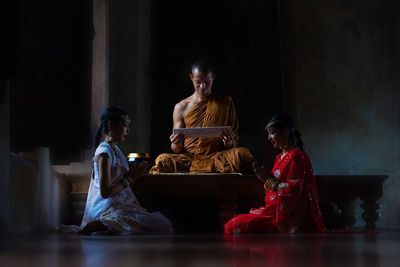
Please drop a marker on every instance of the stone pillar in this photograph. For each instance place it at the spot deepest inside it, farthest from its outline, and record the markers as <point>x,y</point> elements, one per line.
<point>5,210</point>
<point>129,69</point>
<point>143,88</point>
<point>100,62</point>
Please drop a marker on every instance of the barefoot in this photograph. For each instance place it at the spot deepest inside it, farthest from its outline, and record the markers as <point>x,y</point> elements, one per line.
<point>95,226</point>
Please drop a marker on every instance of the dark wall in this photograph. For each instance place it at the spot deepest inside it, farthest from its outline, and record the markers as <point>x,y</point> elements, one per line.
<point>7,42</point>
<point>5,46</point>
<point>341,64</point>
<point>241,37</point>
<point>50,81</point>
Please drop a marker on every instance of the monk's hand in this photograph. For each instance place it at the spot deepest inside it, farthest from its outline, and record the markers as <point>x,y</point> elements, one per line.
<point>227,139</point>
<point>177,139</point>
<point>177,142</point>
<point>136,171</point>
<point>261,172</point>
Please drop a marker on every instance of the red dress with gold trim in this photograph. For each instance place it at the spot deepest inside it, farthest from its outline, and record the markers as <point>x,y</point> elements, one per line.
<point>293,208</point>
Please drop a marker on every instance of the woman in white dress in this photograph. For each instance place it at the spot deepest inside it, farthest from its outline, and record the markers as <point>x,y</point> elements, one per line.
<point>111,205</point>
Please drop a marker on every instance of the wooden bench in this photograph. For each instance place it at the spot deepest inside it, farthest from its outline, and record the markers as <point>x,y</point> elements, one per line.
<point>190,198</point>
<point>234,193</point>
<point>344,189</point>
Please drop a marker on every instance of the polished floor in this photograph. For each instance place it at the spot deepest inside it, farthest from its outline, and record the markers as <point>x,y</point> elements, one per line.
<point>202,250</point>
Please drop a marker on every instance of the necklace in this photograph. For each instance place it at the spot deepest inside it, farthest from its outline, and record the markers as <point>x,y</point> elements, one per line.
<point>115,151</point>
<point>116,154</point>
<point>284,153</point>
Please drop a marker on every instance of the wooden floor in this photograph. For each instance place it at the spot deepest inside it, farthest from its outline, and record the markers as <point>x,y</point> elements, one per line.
<point>202,250</point>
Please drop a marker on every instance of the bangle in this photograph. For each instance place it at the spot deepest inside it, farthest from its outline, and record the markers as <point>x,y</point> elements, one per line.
<point>265,187</point>
<point>272,184</point>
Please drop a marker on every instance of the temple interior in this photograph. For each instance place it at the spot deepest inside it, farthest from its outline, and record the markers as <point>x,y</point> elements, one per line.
<point>330,65</point>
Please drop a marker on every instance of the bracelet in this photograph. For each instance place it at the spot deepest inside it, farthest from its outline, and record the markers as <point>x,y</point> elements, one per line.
<point>272,184</point>
<point>265,187</point>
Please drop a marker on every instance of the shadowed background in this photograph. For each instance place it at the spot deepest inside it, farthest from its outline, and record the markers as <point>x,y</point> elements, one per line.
<point>332,66</point>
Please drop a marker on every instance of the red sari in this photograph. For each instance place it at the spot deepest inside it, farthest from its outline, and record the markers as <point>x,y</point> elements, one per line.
<point>293,208</point>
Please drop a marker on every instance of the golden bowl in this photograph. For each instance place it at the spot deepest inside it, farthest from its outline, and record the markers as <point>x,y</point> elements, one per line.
<point>138,157</point>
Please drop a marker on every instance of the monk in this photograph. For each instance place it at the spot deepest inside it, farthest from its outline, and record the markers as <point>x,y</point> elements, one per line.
<point>204,108</point>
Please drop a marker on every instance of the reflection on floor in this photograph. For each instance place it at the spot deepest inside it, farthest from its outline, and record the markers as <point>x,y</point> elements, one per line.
<point>202,250</point>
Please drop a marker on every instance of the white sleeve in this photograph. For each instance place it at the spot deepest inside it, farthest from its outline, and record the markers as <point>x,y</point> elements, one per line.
<point>104,148</point>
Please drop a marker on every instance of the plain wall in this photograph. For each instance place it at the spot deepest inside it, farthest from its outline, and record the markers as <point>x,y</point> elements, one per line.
<point>340,70</point>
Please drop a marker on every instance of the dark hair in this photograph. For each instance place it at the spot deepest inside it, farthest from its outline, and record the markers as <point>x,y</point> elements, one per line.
<point>281,122</point>
<point>204,66</point>
<point>113,114</point>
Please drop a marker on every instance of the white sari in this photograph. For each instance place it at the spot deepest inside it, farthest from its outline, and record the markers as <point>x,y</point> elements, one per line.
<point>122,212</point>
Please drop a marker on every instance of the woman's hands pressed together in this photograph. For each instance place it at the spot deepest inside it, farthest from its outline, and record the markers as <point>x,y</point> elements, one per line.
<point>137,170</point>
<point>264,176</point>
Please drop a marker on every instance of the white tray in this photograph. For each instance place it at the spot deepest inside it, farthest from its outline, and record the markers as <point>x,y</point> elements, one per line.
<point>204,131</point>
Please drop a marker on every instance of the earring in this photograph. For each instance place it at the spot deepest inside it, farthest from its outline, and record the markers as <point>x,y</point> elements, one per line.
<point>287,143</point>
<point>109,137</point>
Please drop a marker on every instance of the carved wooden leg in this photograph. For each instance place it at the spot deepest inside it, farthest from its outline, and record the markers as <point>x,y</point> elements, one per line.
<point>370,214</point>
<point>346,204</point>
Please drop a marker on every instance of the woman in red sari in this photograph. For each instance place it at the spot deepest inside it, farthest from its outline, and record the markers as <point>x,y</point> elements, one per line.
<point>291,201</point>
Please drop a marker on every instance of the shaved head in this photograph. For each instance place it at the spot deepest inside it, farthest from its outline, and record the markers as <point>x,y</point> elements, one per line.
<point>203,67</point>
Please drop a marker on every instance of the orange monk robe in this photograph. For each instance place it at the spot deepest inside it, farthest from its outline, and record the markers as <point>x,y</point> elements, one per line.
<point>208,154</point>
